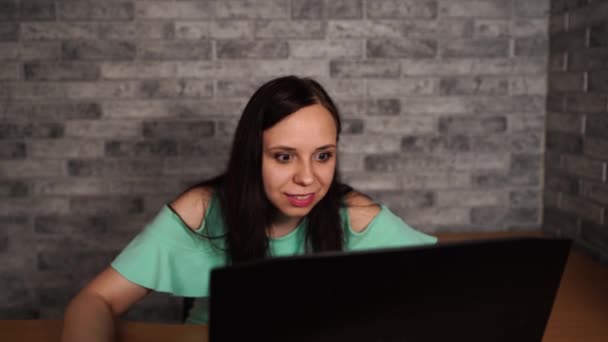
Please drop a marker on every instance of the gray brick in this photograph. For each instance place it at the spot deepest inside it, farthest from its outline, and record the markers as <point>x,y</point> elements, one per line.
<point>345,9</point>
<point>561,183</point>
<point>34,206</point>
<point>366,68</point>
<point>468,125</point>
<point>37,10</point>
<point>434,216</point>
<point>38,90</point>
<point>583,208</point>
<point>252,9</point>
<point>12,150</point>
<point>178,129</point>
<point>31,130</point>
<point>534,46</point>
<point>448,162</point>
<point>515,142</point>
<point>232,29</point>
<point>556,103</point>
<point>174,10</point>
<point>596,148</point>
<point>148,148</point>
<point>571,40</point>
<point>400,9</point>
<point>481,85</point>
<point>10,71</point>
<point>401,87</point>
<point>59,71</point>
<point>65,148</point>
<point>31,168</point>
<point>113,168</point>
<point>490,28</point>
<point>595,235</point>
<point>475,8</point>
<point>399,28</point>
<point>9,10</point>
<point>524,27</point>
<point>499,179</point>
<point>527,197</point>
<point>103,90</point>
<point>138,70</point>
<point>369,143</point>
<point>598,34</point>
<point>566,82</point>
<point>588,59</point>
<point>71,225</point>
<point>402,48</point>
<point>203,147</point>
<point>269,49</point>
<point>496,215</point>
<point>565,123</point>
<point>60,261</point>
<point>595,191</point>
<point>352,126</point>
<point>564,142</point>
<point>290,29</point>
<point>107,10</point>
<point>175,88</point>
<point>584,167</point>
<point>389,107</point>
<point>102,129</point>
<point>557,23</point>
<point>475,48</point>
<point>537,8</point>
<point>528,85</point>
<point>435,143</point>
<point>401,125</point>
<point>524,163</point>
<point>469,198</point>
<point>98,50</point>
<point>343,48</point>
<point>598,81</point>
<point>404,199</point>
<point>9,51</point>
<point>589,103</point>
<point>595,12</point>
<point>39,31</point>
<point>565,224</point>
<point>51,111</point>
<point>13,189</point>
<point>174,50</point>
<point>237,88</point>
<point>474,66</point>
<point>557,62</point>
<point>9,31</point>
<point>307,9</point>
<point>433,179</point>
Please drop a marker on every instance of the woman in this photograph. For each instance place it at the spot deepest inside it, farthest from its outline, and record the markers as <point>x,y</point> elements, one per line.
<point>280,195</point>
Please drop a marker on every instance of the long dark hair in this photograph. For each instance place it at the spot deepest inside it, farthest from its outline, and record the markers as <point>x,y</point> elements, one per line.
<point>246,210</point>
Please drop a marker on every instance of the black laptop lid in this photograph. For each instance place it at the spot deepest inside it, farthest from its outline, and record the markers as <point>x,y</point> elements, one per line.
<point>498,290</point>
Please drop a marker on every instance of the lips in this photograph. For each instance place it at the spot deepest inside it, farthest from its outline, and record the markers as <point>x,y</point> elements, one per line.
<point>298,200</point>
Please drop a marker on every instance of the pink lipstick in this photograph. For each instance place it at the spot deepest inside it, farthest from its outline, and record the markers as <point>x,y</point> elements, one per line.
<point>301,200</point>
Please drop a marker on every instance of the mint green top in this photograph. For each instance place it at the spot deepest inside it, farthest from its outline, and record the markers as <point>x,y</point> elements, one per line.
<point>167,256</point>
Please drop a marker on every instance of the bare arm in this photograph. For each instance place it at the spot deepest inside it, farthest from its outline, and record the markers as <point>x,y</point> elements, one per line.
<point>92,313</point>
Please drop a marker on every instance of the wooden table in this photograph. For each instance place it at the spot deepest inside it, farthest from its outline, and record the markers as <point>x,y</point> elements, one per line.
<point>580,312</point>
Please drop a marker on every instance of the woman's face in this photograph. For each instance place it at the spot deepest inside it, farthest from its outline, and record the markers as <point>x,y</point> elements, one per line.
<point>299,159</point>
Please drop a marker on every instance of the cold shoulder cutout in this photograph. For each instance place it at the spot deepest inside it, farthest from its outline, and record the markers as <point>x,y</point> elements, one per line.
<point>192,205</point>
<point>361,210</point>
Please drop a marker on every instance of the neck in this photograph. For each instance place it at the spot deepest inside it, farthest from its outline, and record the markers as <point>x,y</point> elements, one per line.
<point>282,226</point>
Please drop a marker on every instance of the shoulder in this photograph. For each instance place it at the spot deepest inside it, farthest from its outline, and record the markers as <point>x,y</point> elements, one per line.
<point>361,210</point>
<point>191,205</point>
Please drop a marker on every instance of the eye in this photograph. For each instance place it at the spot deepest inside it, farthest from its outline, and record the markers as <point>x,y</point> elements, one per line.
<point>283,157</point>
<point>324,156</point>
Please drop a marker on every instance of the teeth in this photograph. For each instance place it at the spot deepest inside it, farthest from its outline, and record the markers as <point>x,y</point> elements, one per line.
<point>302,197</point>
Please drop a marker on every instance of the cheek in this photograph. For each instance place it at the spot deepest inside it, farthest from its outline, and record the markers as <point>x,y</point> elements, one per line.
<point>273,177</point>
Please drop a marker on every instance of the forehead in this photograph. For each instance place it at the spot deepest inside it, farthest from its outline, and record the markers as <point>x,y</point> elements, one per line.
<point>311,126</point>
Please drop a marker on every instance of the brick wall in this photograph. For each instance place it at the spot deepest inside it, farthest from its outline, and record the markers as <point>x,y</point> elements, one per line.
<point>576,188</point>
<point>110,108</point>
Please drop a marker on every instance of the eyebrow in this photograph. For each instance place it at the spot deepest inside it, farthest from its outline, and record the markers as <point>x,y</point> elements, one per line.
<point>287,148</point>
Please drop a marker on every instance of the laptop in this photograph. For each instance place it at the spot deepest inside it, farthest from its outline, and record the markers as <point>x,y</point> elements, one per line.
<point>494,290</point>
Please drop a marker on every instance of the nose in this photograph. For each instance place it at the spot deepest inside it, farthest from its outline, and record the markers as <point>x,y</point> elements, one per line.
<point>304,174</point>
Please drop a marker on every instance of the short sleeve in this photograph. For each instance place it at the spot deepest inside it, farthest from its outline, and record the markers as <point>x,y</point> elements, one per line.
<point>387,230</point>
<point>168,257</point>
